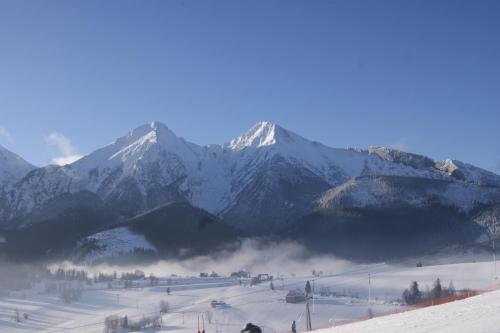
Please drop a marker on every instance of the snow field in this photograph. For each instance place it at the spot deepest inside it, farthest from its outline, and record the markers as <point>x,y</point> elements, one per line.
<point>478,314</point>
<point>190,297</point>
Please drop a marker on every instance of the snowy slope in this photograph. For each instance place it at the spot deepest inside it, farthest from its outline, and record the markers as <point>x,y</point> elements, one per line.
<point>477,314</point>
<point>113,243</point>
<point>470,173</point>
<point>265,140</point>
<point>190,297</point>
<point>395,191</point>
<point>41,185</point>
<point>12,166</point>
<point>145,145</point>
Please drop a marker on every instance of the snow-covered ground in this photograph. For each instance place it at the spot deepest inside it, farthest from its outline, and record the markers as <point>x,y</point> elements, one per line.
<point>190,297</point>
<point>115,242</point>
<point>479,314</point>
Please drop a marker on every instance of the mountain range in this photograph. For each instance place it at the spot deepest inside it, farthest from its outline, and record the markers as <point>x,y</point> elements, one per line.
<point>268,181</point>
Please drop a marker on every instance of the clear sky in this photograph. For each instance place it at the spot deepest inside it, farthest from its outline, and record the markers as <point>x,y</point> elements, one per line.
<point>418,75</point>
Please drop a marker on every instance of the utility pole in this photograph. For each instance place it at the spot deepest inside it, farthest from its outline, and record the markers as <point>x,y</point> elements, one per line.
<point>495,277</point>
<point>308,291</point>
<point>308,317</point>
<point>494,254</point>
<point>313,295</point>
<point>369,288</point>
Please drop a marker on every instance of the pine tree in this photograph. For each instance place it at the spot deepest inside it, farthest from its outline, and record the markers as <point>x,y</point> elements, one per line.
<point>451,289</point>
<point>437,290</point>
<point>308,288</point>
<point>412,295</point>
<point>415,293</point>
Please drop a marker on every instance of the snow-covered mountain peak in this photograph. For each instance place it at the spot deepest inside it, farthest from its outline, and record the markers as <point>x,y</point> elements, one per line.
<point>148,132</point>
<point>145,143</point>
<point>162,130</point>
<point>155,124</point>
<point>263,133</point>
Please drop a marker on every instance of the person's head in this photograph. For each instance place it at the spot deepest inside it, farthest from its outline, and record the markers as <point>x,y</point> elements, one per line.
<point>251,328</point>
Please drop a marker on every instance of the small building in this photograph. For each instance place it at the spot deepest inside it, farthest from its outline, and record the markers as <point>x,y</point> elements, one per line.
<point>218,304</point>
<point>240,274</point>
<point>254,281</point>
<point>264,277</point>
<point>115,323</point>
<point>295,297</point>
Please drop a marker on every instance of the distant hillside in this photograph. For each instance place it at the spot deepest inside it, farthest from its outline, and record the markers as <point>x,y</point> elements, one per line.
<point>60,224</point>
<point>172,230</point>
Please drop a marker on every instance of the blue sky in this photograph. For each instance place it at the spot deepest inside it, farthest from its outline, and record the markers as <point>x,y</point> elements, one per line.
<point>418,75</point>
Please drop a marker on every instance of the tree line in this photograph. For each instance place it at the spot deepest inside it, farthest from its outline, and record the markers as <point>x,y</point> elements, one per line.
<point>413,295</point>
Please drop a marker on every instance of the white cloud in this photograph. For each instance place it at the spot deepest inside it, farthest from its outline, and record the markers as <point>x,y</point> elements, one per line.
<point>5,134</point>
<point>400,144</point>
<point>65,150</point>
<point>66,159</point>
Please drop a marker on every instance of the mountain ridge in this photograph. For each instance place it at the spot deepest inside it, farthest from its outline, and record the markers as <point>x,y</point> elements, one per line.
<point>12,166</point>
<point>258,181</point>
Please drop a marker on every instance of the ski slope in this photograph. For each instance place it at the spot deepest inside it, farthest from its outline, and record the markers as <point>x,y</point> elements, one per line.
<point>478,314</point>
